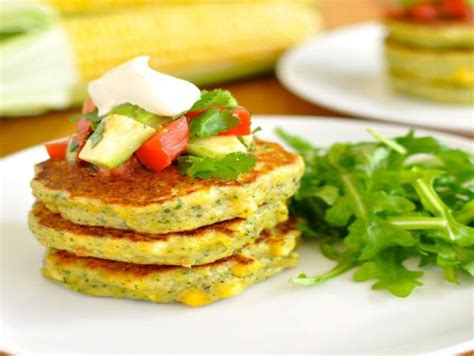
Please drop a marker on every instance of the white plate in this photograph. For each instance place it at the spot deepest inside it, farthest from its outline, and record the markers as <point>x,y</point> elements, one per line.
<point>274,316</point>
<point>344,70</point>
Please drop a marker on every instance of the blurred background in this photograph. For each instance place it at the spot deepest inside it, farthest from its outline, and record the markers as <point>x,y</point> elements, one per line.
<point>51,49</point>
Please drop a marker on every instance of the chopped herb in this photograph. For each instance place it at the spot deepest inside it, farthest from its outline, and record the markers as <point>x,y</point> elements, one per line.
<point>227,168</point>
<point>97,135</point>
<point>93,118</point>
<point>217,97</point>
<point>73,145</point>
<point>211,122</point>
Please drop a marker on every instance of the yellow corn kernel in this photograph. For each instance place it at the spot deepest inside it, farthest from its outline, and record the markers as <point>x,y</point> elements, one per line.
<point>245,269</point>
<point>464,76</point>
<point>281,247</point>
<point>195,298</point>
<point>229,289</point>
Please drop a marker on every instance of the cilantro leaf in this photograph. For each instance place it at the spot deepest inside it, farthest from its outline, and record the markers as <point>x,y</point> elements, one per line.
<point>229,167</point>
<point>98,134</point>
<point>93,118</point>
<point>73,145</point>
<point>216,97</point>
<point>211,122</point>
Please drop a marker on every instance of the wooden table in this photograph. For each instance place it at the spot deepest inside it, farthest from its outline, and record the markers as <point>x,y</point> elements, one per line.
<point>263,95</point>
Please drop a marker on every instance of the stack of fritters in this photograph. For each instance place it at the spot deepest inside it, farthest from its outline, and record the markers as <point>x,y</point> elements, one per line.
<point>433,61</point>
<point>166,237</point>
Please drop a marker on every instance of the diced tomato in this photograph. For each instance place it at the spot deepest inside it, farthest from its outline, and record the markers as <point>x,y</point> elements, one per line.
<point>193,114</point>
<point>81,139</point>
<point>242,129</point>
<point>83,125</point>
<point>167,144</point>
<point>57,149</point>
<point>88,106</point>
<point>394,13</point>
<point>126,169</point>
<point>455,8</point>
<point>424,12</point>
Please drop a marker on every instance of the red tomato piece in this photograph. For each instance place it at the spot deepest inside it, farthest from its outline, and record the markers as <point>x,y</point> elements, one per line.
<point>124,170</point>
<point>81,139</point>
<point>424,12</point>
<point>57,149</point>
<point>192,114</point>
<point>88,106</point>
<point>83,125</point>
<point>395,13</point>
<point>167,144</point>
<point>243,128</point>
<point>455,8</point>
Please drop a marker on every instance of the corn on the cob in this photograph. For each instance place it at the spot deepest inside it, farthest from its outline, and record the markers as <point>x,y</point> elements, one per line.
<point>73,6</point>
<point>185,40</point>
<point>206,43</point>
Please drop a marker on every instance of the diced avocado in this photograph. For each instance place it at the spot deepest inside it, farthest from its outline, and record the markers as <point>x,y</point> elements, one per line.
<point>216,146</point>
<point>71,150</point>
<point>248,141</point>
<point>141,115</point>
<point>115,142</point>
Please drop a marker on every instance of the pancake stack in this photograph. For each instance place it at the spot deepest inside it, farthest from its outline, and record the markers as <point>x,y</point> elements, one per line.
<point>165,237</point>
<point>433,61</point>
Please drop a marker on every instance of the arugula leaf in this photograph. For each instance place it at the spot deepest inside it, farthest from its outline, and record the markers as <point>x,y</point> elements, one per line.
<point>211,122</point>
<point>229,167</point>
<point>390,274</point>
<point>384,202</point>
<point>216,97</point>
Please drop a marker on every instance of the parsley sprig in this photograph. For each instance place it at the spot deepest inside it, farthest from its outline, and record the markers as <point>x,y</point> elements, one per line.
<point>373,205</point>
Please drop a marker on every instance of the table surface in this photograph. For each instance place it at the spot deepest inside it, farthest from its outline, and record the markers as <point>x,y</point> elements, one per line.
<point>262,95</point>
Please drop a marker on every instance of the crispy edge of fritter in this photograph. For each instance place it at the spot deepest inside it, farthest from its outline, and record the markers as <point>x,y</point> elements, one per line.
<point>196,247</point>
<point>194,286</point>
<point>202,207</point>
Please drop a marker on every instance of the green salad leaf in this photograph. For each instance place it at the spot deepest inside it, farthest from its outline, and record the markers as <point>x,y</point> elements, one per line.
<point>373,205</point>
<point>211,122</point>
<point>227,168</point>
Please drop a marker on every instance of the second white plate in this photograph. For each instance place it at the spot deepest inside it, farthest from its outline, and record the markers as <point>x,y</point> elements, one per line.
<point>344,70</point>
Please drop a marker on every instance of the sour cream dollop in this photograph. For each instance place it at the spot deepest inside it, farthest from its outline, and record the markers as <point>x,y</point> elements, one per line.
<point>136,83</point>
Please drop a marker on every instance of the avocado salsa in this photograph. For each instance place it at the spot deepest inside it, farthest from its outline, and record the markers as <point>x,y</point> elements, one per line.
<point>211,139</point>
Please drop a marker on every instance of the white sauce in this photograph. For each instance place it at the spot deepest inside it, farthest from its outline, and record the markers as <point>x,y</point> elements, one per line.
<point>136,83</point>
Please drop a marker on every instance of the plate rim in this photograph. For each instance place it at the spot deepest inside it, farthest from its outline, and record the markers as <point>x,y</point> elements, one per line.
<point>286,77</point>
